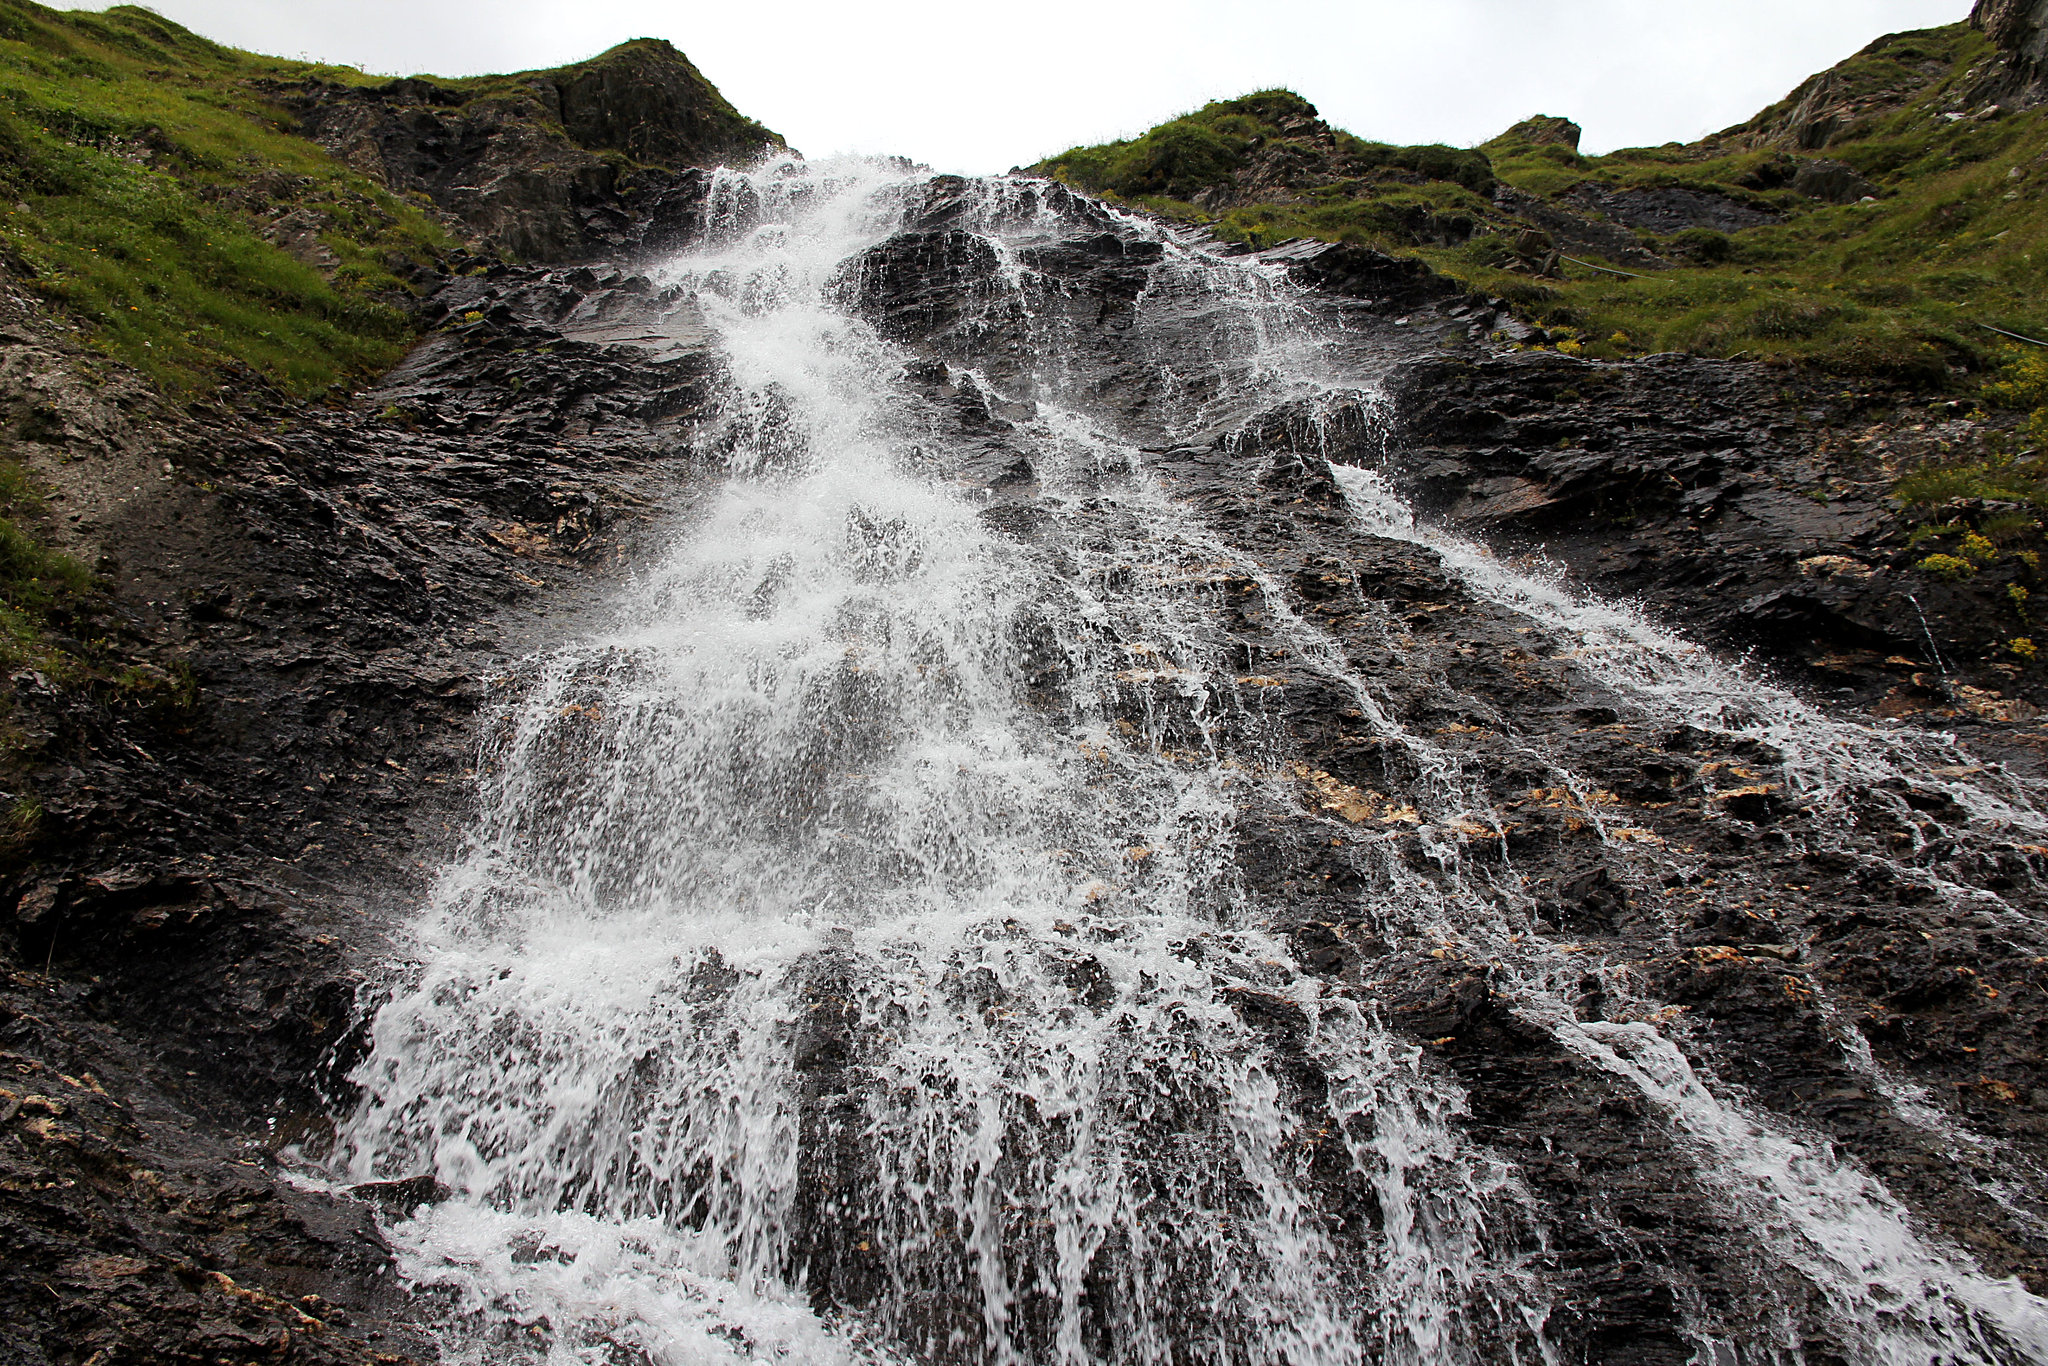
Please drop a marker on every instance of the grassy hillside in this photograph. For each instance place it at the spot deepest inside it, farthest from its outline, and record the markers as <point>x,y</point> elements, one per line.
<point>1952,235</point>
<point>156,186</point>
<point>140,166</point>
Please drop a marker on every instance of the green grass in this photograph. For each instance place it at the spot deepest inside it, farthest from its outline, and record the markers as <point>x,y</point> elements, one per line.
<point>39,588</point>
<point>1427,192</point>
<point>1895,290</point>
<point>138,165</point>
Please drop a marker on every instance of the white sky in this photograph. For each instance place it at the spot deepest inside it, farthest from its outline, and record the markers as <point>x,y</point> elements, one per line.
<point>978,87</point>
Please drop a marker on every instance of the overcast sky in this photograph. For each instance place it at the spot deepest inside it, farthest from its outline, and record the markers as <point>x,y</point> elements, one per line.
<point>978,87</point>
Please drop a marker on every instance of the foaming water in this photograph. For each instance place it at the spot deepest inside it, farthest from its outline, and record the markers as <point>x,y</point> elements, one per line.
<point>1898,1300</point>
<point>793,952</point>
<point>849,960</point>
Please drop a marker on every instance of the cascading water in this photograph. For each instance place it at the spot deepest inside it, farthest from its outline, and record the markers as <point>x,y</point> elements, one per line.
<point>852,958</point>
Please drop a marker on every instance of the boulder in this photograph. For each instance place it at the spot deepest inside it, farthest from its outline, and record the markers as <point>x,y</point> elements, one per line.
<point>1833,181</point>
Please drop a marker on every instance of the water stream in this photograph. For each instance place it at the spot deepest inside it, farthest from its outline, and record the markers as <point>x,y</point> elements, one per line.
<point>827,977</point>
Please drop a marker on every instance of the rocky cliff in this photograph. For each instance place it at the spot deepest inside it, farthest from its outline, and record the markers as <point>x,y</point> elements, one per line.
<point>232,757</point>
<point>596,159</point>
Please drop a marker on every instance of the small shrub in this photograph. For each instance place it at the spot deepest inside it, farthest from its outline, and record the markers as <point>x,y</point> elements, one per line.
<point>2001,478</point>
<point>2023,647</point>
<point>2022,381</point>
<point>1929,533</point>
<point>1947,567</point>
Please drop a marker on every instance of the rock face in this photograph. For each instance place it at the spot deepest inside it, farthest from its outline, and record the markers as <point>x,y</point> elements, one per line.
<point>1748,911</point>
<point>1833,181</point>
<point>597,159</point>
<point>1673,209</point>
<point>1736,503</point>
<point>1545,130</point>
<point>188,941</point>
<point>1396,284</point>
<point>2020,28</point>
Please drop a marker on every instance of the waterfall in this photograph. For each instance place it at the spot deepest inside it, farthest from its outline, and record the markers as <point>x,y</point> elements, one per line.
<point>852,957</point>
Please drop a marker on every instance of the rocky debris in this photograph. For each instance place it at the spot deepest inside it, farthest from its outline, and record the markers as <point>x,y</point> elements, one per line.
<point>1575,231</point>
<point>136,1232</point>
<point>1833,181</point>
<point>339,587</point>
<point>600,159</point>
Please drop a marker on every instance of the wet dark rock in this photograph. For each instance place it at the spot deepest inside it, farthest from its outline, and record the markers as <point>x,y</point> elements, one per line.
<point>1728,496</point>
<point>918,286</point>
<point>185,950</point>
<point>402,1197</point>
<point>1394,284</point>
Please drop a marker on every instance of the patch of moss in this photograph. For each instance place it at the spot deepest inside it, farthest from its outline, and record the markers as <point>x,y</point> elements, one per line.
<point>40,589</point>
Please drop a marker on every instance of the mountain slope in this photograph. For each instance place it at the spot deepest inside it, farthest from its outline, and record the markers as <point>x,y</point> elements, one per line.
<point>202,212</point>
<point>1869,224</point>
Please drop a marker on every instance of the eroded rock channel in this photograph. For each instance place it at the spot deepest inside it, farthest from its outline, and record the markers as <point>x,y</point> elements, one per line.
<point>947,775</point>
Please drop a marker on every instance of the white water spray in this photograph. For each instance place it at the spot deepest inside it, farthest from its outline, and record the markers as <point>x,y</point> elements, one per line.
<point>819,983</point>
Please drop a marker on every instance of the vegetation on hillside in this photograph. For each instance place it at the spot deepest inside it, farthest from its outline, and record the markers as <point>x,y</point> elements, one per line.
<point>1899,286</point>
<point>1336,186</point>
<point>140,166</point>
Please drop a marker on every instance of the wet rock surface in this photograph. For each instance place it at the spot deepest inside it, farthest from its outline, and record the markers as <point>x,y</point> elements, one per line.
<point>1748,506</point>
<point>1830,955</point>
<point>342,589</point>
<point>345,585</point>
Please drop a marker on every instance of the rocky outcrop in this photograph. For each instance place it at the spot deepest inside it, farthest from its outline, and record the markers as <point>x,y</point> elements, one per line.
<point>594,160</point>
<point>1393,284</point>
<point>1667,209</point>
<point>2019,74</point>
<point>1544,130</point>
<point>1847,101</point>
